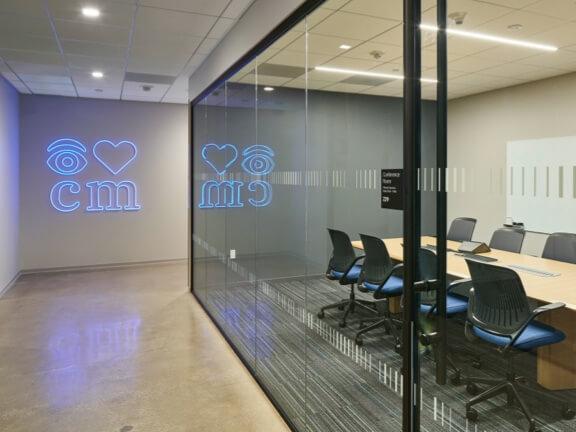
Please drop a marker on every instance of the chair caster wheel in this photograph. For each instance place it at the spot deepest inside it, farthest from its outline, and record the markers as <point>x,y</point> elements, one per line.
<point>477,364</point>
<point>456,379</point>
<point>472,389</point>
<point>568,413</point>
<point>359,342</point>
<point>321,315</point>
<point>341,307</point>
<point>342,324</point>
<point>472,414</point>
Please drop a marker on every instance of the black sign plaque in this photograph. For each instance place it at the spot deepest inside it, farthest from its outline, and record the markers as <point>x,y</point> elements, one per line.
<point>392,189</point>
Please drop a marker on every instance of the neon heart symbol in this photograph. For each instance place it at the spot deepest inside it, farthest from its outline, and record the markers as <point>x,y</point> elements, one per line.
<point>219,157</point>
<point>115,156</point>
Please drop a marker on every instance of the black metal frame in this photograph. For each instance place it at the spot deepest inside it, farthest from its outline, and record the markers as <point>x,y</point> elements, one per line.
<point>412,207</point>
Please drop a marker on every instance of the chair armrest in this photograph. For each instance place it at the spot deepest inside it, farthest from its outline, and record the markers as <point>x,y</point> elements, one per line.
<point>345,275</point>
<point>393,270</point>
<point>538,311</point>
<point>458,283</point>
<point>547,308</point>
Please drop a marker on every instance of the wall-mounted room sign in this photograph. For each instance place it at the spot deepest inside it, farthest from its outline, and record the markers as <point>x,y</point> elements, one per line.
<point>68,157</point>
<point>257,161</point>
<point>391,194</point>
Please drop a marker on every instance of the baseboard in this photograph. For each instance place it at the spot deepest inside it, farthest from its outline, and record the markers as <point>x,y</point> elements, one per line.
<point>102,266</point>
<point>10,284</point>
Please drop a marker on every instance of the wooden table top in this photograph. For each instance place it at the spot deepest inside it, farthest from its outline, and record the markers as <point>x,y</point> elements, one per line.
<point>561,288</point>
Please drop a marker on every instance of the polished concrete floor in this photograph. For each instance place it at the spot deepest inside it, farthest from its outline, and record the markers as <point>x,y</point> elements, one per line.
<point>120,350</point>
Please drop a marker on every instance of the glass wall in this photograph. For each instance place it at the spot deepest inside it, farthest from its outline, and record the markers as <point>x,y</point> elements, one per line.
<point>298,235</point>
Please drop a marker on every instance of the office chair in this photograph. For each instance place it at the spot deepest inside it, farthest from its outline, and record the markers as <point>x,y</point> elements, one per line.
<point>461,229</point>
<point>378,276</point>
<point>499,314</point>
<point>455,305</point>
<point>508,239</point>
<point>560,247</point>
<point>343,267</point>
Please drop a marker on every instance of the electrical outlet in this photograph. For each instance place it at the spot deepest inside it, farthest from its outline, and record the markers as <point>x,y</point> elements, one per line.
<point>232,253</point>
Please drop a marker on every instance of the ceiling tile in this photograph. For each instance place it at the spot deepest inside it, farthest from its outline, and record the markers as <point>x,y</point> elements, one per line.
<point>84,78</point>
<point>160,21</point>
<point>99,92</point>
<point>320,44</point>
<point>510,70</point>
<point>28,43</point>
<point>32,8</point>
<point>32,57</point>
<point>51,88</point>
<point>356,64</point>
<point>472,64</point>
<point>92,32</point>
<point>390,9</point>
<point>25,25</point>
<point>564,60</point>
<point>45,79</point>
<point>334,4</point>
<point>139,98</point>
<point>95,63</point>
<point>561,36</point>
<point>292,58</point>
<point>207,7</point>
<point>394,36</point>
<point>477,13</point>
<point>222,26</point>
<point>314,19</point>
<point>531,24</point>
<point>19,86</point>
<point>93,49</point>
<point>236,8</point>
<point>563,9</point>
<point>516,4</point>
<point>113,13</point>
<point>355,26</point>
<point>38,69</point>
<point>159,65</point>
<point>207,46</point>
<point>347,88</point>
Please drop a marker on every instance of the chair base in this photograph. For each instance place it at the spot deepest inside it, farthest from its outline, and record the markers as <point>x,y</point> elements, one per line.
<point>389,323</point>
<point>349,306</point>
<point>513,389</point>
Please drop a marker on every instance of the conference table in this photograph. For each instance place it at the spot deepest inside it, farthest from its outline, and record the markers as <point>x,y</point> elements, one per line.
<point>546,281</point>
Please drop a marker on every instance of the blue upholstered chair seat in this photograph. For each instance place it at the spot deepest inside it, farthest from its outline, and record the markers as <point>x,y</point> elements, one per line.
<point>534,335</point>
<point>351,277</point>
<point>455,304</point>
<point>393,286</point>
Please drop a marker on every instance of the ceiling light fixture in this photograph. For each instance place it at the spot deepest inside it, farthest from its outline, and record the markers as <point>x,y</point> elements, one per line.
<point>97,74</point>
<point>268,89</point>
<point>515,27</point>
<point>91,12</point>
<point>345,47</point>
<point>370,74</point>
<point>491,38</point>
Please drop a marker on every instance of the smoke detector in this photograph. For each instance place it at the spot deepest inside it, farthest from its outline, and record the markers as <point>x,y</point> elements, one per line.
<point>376,54</point>
<point>147,87</point>
<point>458,17</point>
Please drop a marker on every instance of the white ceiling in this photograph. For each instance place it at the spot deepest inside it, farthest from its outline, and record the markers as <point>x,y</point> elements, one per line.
<point>474,66</point>
<point>49,47</point>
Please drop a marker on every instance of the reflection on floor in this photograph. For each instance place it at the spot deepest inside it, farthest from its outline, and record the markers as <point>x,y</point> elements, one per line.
<point>120,350</point>
<point>311,363</point>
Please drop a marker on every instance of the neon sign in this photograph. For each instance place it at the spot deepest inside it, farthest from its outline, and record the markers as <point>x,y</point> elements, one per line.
<point>68,157</point>
<point>257,161</point>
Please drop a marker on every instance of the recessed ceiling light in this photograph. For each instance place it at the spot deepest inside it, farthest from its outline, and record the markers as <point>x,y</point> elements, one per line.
<point>97,74</point>
<point>491,38</point>
<point>345,47</point>
<point>268,89</point>
<point>91,12</point>
<point>370,74</point>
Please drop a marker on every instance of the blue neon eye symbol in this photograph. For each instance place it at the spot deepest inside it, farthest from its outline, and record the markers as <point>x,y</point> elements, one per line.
<point>258,160</point>
<point>66,157</point>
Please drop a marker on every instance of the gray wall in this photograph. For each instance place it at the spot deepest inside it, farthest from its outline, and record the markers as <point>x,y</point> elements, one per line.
<point>9,184</point>
<point>479,128</point>
<point>158,231</point>
<point>345,134</point>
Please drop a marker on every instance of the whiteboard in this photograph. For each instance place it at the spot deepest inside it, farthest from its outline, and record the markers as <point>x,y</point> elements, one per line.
<point>541,183</point>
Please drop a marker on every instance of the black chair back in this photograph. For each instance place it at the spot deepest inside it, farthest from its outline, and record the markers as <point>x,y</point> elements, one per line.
<point>377,263</point>
<point>461,229</point>
<point>342,251</point>
<point>561,247</point>
<point>427,262</point>
<point>508,239</point>
<point>498,302</point>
